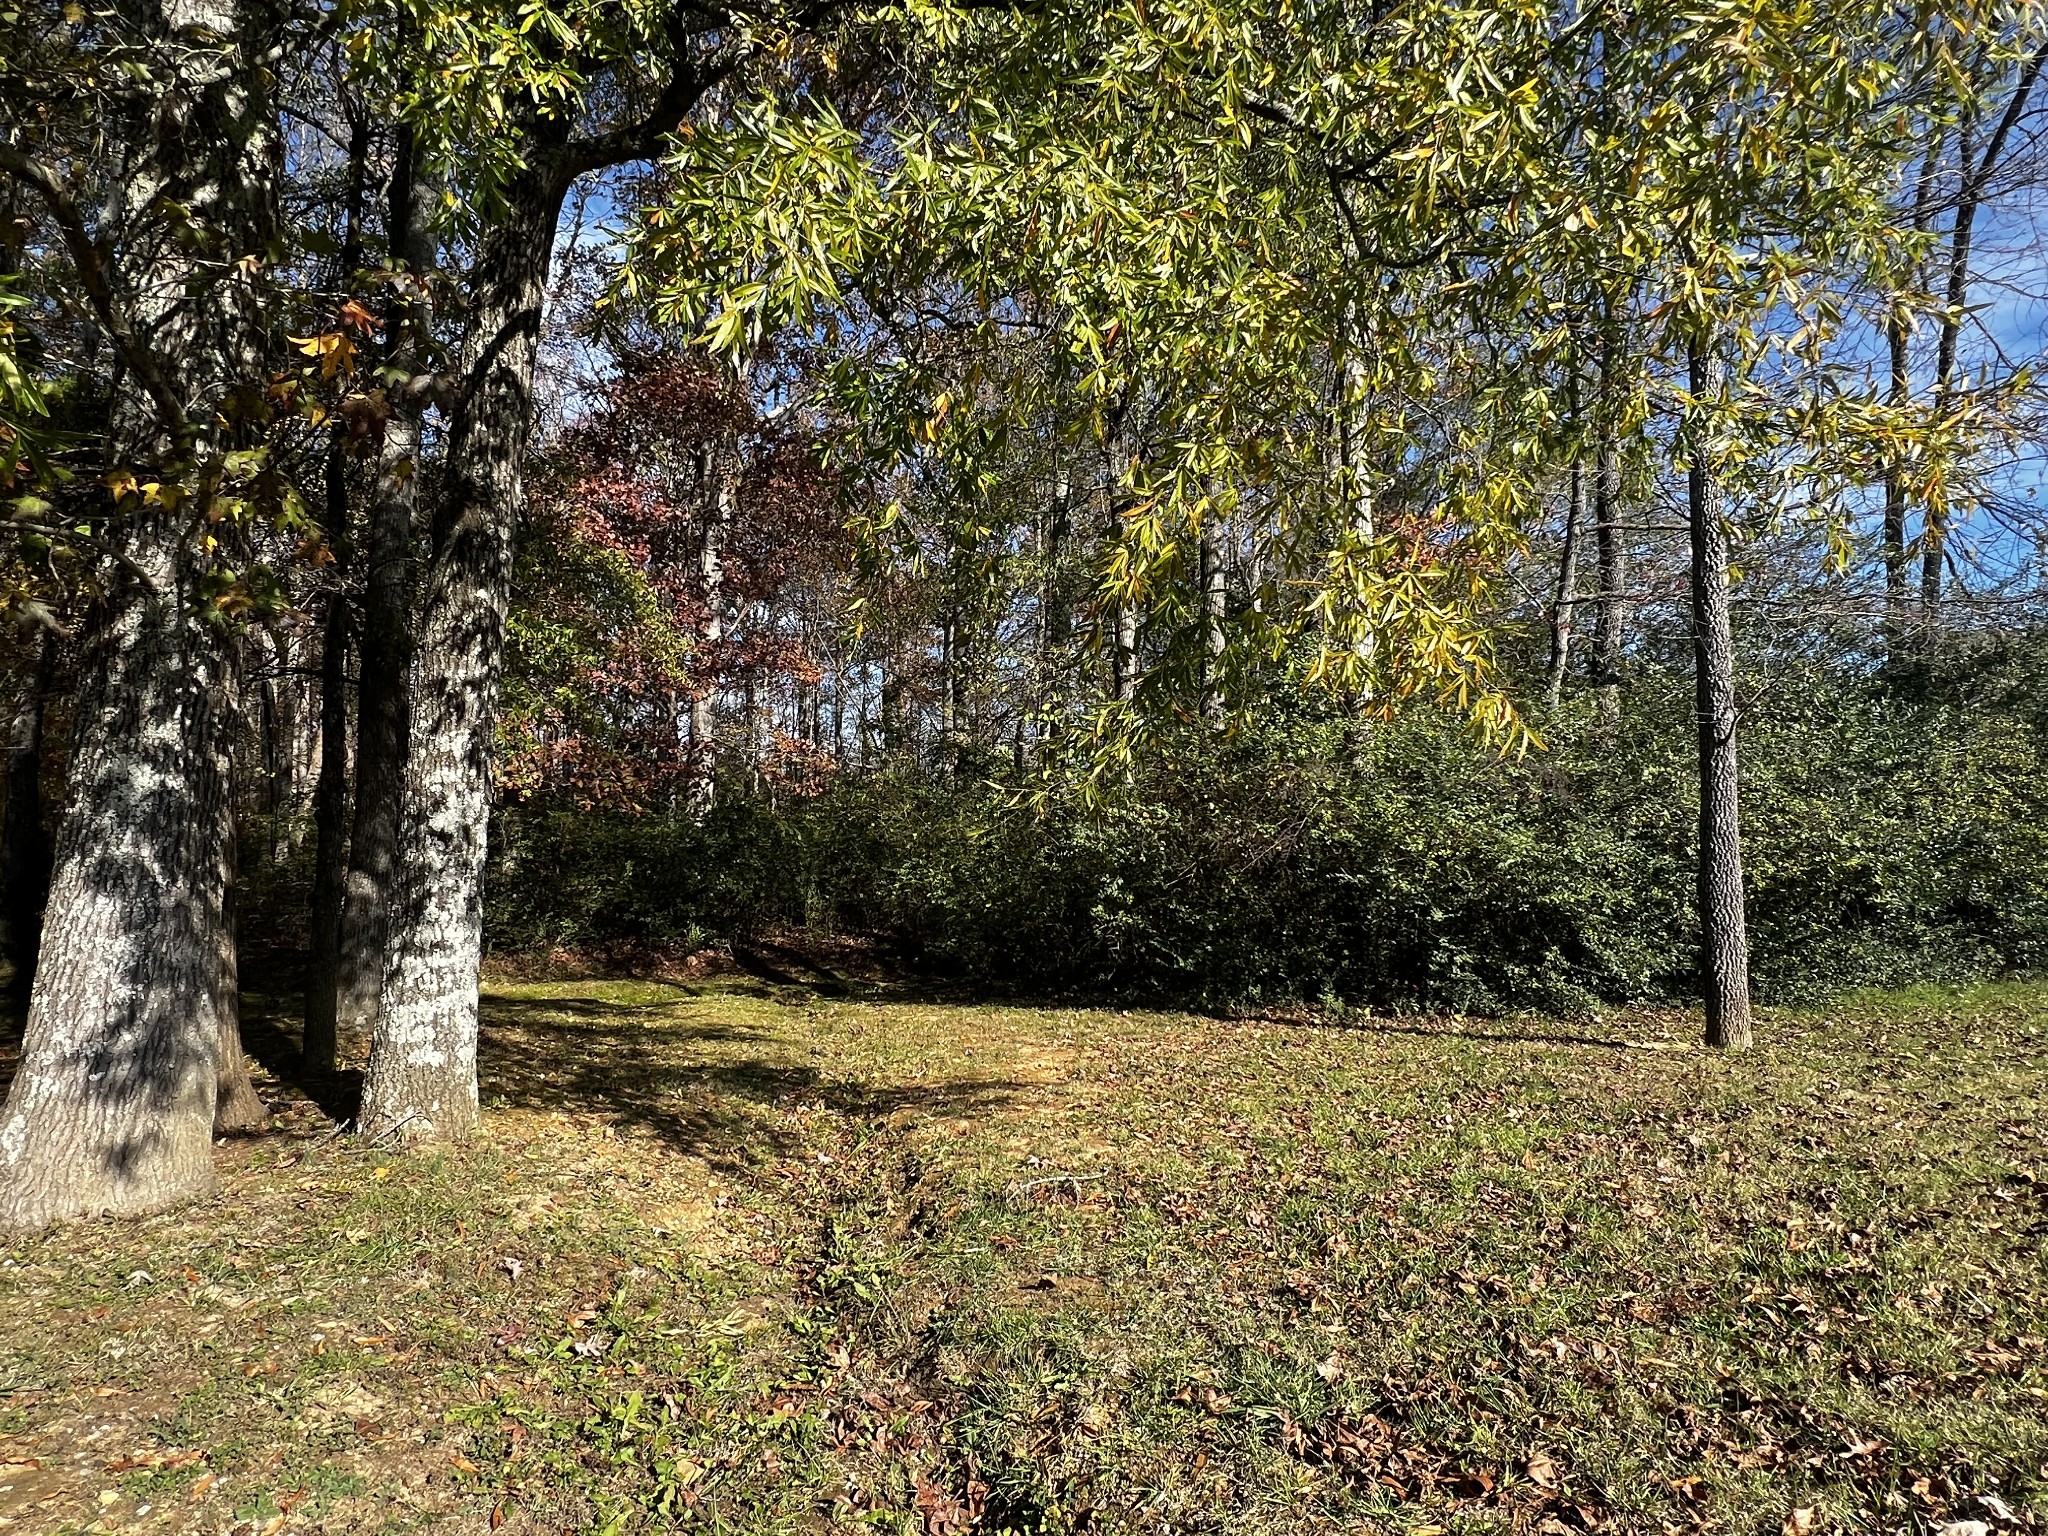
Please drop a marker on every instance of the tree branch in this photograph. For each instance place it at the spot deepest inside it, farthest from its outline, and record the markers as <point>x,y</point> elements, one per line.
<point>89,261</point>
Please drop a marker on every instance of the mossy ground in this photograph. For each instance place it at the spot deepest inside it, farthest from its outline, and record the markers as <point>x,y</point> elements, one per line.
<point>748,1255</point>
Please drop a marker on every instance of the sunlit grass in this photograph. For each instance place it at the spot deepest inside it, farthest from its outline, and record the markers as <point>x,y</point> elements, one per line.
<point>738,1255</point>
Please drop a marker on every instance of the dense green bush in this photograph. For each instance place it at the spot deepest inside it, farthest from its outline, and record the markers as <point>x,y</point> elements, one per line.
<point>1886,839</point>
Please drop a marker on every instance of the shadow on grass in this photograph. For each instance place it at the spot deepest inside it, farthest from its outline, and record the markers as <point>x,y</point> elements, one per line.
<point>631,1062</point>
<point>272,1029</point>
<point>639,1064</point>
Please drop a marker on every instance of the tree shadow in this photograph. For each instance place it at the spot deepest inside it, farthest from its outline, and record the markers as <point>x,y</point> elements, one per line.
<point>639,1065</point>
<point>779,965</point>
<point>272,1034</point>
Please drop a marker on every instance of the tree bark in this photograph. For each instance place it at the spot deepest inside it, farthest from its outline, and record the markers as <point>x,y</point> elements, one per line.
<point>1898,345</point>
<point>1056,612</point>
<point>330,853</point>
<point>421,1082</point>
<point>24,843</point>
<point>1724,929</point>
<point>1213,606</point>
<point>330,788</point>
<point>1123,651</point>
<point>112,1107</point>
<point>384,649</point>
<point>719,477</point>
<point>1610,618</point>
<point>1565,604</point>
<point>237,1108</point>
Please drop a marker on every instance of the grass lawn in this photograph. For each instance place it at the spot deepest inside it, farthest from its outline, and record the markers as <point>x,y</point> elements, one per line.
<point>746,1256</point>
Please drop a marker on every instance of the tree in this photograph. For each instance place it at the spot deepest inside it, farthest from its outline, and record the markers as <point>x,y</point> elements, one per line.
<point>532,109</point>
<point>113,1106</point>
<point>1724,931</point>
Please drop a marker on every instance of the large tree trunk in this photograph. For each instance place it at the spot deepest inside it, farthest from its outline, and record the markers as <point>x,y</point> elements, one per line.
<point>421,1082</point>
<point>112,1107</point>
<point>24,844</point>
<point>1724,929</point>
<point>384,648</point>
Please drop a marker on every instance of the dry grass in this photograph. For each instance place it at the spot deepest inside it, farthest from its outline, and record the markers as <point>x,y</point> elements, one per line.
<point>752,1255</point>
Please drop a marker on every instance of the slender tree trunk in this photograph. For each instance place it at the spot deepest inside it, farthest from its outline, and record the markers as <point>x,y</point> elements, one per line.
<point>280,736</point>
<point>1974,180</point>
<point>421,1082</point>
<point>720,478</point>
<point>112,1107</point>
<point>1213,606</point>
<point>1610,617</point>
<point>384,651</point>
<point>1724,929</point>
<point>237,1109</point>
<point>1056,611</point>
<point>1123,650</point>
<point>838,711</point>
<point>1898,344</point>
<point>24,844</point>
<point>330,788</point>
<point>1898,341</point>
<point>1564,606</point>
<point>949,697</point>
<point>330,834</point>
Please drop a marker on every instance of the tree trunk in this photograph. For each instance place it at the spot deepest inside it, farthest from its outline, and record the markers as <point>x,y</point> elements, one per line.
<point>112,1107</point>
<point>1974,175</point>
<point>1123,652</point>
<point>1724,929</point>
<point>237,1109</point>
<point>1056,611</point>
<point>330,853</point>
<point>1565,604</point>
<point>711,573</point>
<point>24,844</point>
<point>1610,619</point>
<point>1211,576</point>
<point>1898,340</point>
<point>384,650</point>
<point>421,1082</point>
<point>330,788</point>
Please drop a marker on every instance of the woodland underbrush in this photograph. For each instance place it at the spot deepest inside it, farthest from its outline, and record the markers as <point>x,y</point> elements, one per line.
<point>743,1254</point>
<point>1891,836</point>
